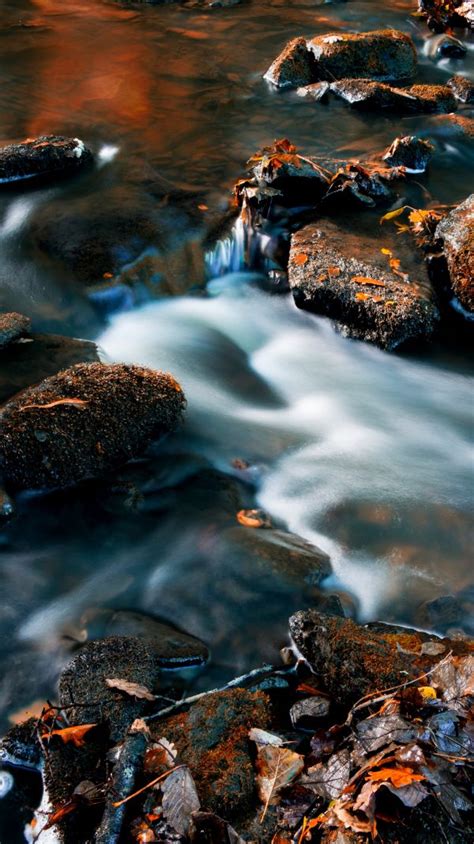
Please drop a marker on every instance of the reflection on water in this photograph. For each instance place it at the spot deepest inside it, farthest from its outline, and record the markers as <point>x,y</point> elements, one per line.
<point>364,454</point>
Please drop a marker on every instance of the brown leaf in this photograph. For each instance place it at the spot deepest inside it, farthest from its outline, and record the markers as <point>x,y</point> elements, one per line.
<point>277,767</point>
<point>180,800</point>
<point>132,689</point>
<point>71,734</point>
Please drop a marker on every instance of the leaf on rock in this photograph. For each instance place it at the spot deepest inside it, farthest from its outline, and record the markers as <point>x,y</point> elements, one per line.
<point>432,648</point>
<point>262,737</point>
<point>398,776</point>
<point>455,677</point>
<point>253,519</point>
<point>161,754</point>
<point>180,800</point>
<point>132,689</point>
<point>363,279</point>
<point>374,733</point>
<point>277,767</point>
<point>73,402</point>
<point>71,734</point>
<point>300,259</point>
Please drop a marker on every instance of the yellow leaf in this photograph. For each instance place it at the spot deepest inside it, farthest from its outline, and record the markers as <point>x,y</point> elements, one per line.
<point>427,692</point>
<point>392,214</point>
<point>385,251</point>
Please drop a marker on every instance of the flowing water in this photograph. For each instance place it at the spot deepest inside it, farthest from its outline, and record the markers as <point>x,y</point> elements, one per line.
<point>365,454</point>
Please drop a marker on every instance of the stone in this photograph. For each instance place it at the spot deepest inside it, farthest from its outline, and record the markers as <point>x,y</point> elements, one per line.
<point>316,91</point>
<point>27,363</point>
<point>354,660</point>
<point>385,55</point>
<point>100,417</point>
<point>410,152</point>
<point>456,232</point>
<point>366,94</point>
<point>212,738</point>
<point>42,158</point>
<point>462,88</point>
<point>338,271</point>
<point>12,327</point>
<point>295,66</point>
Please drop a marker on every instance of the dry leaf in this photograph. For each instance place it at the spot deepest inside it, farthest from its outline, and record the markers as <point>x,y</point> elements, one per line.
<point>161,754</point>
<point>432,648</point>
<point>392,214</point>
<point>426,692</point>
<point>253,518</point>
<point>300,259</point>
<point>362,297</point>
<point>132,689</point>
<point>73,402</point>
<point>363,279</point>
<point>262,737</point>
<point>399,776</point>
<point>71,734</point>
<point>180,800</point>
<point>277,767</point>
<point>330,779</point>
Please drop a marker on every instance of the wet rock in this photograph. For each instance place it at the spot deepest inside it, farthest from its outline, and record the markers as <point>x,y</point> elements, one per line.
<point>23,364</point>
<point>340,272</point>
<point>316,91</point>
<point>212,738</point>
<point>466,13</point>
<point>100,417</point>
<point>441,16</point>
<point>12,327</point>
<point>386,55</point>
<point>441,614</point>
<point>354,660</point>
<point>353,185</point>
<point>445,47</point>
<point>456,232</point>
<point>458,125</point>
<point>410,152</point>
<point>88,698</point>
<point>294,66</point>
<point>366,94</point>
<point>42,158</point>
<point>462,88</point>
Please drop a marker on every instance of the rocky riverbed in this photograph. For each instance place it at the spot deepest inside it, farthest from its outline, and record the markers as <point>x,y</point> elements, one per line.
<point>235,516</point>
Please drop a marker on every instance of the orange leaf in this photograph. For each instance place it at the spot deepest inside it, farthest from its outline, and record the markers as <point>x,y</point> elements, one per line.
<point>253,518</point>
<point>107,275</point>
<point>60,813</point>
<point>74,734</point>
<point>334,271</point>
<point>310,690</point>
<point>300,259</point>
<point>364,279</point>
<point>362,297</point>
<point>75,402</point>
<point>203,207</point>
<point>397,776</point>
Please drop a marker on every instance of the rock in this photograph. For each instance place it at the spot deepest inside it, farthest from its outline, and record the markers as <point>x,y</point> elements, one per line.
<point>442,613</point>
<point>410,152</point>
<point>212,738</point>
<point>457,125</point>
<point>444,46</point>
<point>304,713</point>
<point>12,327</point>
<point>23,364</point>
<point>316,91</point>
<point>353,185</point>
<point>366,94</point>
<point>456,231</point>
<point>106,415</point>
<point>386,55</point>
<point>41,158</point>
<point>294,66</point>
<point>352,660</point>
<point>466,12</point>
<point>340,272</point>
<point>462,88</point>
<point>83,690</point>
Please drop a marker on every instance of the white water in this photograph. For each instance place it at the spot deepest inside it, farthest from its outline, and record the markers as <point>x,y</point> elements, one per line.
<point>346,424</point>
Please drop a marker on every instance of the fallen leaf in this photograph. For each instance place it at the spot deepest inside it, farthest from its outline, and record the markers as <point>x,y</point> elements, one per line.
<point>362,297</point>
<point>399,776</point>
<point>262,737</point>
<point>330,779</point>
<point>253,518</point>
<point>203,207</point>
<point>71,734</point>
<point>392,214</point>
<point>277,767</point>
<point>60,813</point>
<point>132,689</point>
<point>180,800</point>
<point>161,754</point>
<point>300,259</point>
<point>363,279</point>
<point>427,692</point>
<point>334,271</point>
<point>432,648</point>
<point>107,275</point>
<point>74,402</point>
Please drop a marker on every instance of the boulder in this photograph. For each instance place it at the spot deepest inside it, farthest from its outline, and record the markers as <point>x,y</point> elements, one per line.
<point>385,55</point>
<point>462,88</point>
<point>85,422</point>
<point>12,327</point>
<point>366,94</point>
<point>212,738</point>
<point>354,660</point>
<point>456,231</point>
<point>410,152</point>
<point>42,158</point>
<point>338,271</point>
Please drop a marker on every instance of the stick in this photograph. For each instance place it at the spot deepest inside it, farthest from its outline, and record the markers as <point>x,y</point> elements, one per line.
<point>128,767</point>
<point>244,680</point>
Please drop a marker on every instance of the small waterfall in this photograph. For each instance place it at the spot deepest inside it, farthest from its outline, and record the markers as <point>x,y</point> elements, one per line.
<point>242,249</point>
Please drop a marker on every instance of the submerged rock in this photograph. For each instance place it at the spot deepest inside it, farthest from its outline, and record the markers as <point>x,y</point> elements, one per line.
<point>43,157</point>
<point>462,88</point>
<point>12,327</point>
<point>385,55</point>
<point>340,273</point>
<point>410,152</point>
<point>212,738</point>
<point>354,660</point>
<point>456,231</point>
<point>366,94</point>
<point>99,417</point>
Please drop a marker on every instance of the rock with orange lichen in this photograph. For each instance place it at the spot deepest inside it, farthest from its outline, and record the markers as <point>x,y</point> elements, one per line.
<point>12,327</point>
<point>456,231</point>
<point>212,738</point>
<point>85,422</point>
<point>354,660</point>
<point>42,158</point>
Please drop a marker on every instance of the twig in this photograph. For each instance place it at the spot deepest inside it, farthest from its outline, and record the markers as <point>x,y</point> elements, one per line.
<point>148,785</point>
<point>126,771</point>
<point>244,680</point>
